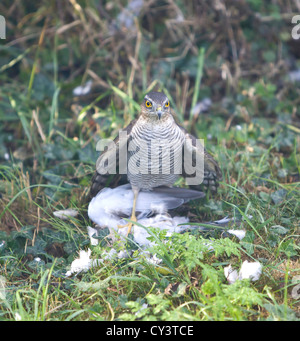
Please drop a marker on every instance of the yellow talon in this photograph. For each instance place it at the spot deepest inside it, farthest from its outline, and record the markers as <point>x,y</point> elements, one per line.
<point>129,224</point>
<point>133,217</point>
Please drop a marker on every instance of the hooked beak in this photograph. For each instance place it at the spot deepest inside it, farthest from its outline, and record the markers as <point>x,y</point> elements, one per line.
<point>159,112</point>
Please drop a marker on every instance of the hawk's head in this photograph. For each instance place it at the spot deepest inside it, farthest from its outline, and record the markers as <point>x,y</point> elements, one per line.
<point>155,105</point>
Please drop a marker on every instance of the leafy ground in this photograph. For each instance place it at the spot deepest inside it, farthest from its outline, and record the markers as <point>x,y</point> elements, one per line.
<point>238,55</point>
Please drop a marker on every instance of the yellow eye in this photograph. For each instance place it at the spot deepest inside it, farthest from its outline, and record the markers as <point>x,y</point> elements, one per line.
<point>167,104</point>
<point>148,104</point>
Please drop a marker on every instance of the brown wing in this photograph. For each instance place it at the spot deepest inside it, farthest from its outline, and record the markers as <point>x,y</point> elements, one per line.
<point>212,172</point>
<point>110,176</point>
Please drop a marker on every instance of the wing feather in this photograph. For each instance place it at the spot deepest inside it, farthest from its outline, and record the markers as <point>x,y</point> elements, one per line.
<point>212,172</point>
<point>107,173</point>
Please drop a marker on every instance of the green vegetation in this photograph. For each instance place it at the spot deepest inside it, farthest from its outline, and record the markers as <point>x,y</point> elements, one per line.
<point>240,55</point>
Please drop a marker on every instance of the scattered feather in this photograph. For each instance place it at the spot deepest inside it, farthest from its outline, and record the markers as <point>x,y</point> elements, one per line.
<point>83,90</point>
<point>161,221</point>
<point>83,263</point>
<point>91,233</point>
<point>65,214</point>
<point>222,221</point>
<point>18,317</point>
<point>230,274</point>
<point>249,270</point>
<point>240,234</point>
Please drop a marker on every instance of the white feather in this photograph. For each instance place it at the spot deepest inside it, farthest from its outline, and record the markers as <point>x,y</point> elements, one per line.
<point>249,270</point>
<point>65,214</point>
<point>240,234</point>
<point>230,274</point>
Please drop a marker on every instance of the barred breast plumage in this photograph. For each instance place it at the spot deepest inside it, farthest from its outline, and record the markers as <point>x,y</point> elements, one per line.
<point>154,155</point>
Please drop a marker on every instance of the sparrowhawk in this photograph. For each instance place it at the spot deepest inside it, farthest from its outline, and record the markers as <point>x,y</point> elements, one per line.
<point>156,150</point>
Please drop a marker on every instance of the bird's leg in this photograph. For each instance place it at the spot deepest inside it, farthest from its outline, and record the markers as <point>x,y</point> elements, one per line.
<point>133,217</point>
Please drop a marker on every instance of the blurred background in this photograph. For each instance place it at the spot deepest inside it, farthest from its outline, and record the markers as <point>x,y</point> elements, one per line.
<point>72,72</point>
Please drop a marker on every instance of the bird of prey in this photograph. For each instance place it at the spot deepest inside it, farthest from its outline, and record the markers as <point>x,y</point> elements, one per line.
<point>146,143</point>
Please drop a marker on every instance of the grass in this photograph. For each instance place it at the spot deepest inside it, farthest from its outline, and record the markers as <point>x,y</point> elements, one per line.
<point>48,141</point>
